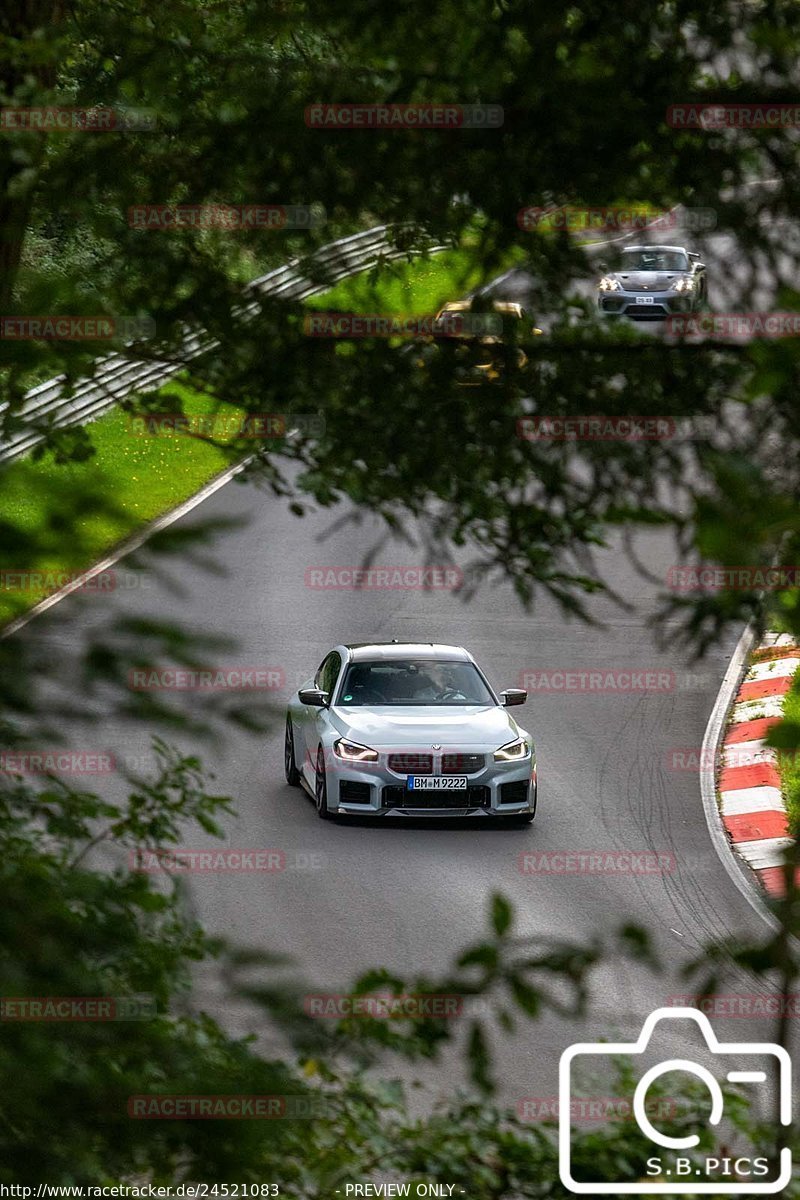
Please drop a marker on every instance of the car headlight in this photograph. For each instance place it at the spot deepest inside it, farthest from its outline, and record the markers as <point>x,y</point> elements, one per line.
<point>684,285</point>
<point>353,752</point>
<point>512,751</point>
<point>608,284</point>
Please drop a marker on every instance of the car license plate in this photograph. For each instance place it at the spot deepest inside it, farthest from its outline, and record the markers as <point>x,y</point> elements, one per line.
<point>646,300</point>
<point>437,783</point>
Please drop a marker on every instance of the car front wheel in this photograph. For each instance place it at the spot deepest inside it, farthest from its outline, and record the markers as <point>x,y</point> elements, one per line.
<point>289,768</point>
<point>321,788</point>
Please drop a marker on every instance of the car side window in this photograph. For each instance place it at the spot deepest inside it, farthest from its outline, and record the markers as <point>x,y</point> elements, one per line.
<point>328,672</point>
<point>332,669</point>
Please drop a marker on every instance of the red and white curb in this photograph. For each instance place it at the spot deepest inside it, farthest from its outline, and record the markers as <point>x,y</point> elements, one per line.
<point>749,781</point>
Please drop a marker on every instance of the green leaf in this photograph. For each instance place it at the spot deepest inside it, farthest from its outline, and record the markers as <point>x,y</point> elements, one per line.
<point>479,1059</point>
<point>502,914</point>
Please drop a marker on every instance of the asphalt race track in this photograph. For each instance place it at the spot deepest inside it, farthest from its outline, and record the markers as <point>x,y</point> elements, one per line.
<point>410,897</point>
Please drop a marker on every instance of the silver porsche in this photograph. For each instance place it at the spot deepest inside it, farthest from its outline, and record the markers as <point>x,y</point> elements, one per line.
<point>402,729</point>
<point>650,283</point>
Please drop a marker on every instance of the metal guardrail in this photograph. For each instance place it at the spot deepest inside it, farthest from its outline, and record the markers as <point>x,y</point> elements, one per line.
<point>48,407</point>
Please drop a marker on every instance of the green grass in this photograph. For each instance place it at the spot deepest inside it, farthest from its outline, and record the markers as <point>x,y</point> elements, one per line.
<point>75,513</point>
<point>411,288</point>
<point>789,763</point>
<point>782,611</point>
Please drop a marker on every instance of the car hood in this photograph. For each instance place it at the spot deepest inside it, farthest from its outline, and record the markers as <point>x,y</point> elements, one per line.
<point>650,281</point>
<point>420,726</point>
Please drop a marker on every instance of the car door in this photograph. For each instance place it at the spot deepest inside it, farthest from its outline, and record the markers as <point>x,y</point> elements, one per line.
<point>315,719</point>
<point>304,725</point>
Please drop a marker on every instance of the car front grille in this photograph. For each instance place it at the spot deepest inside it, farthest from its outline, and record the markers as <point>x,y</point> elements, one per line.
<point>462,764</point>
<point>411,764</point>
<point>394,796</point>
<point>514,793</point>
<point>654,311</point>
<point>352,792</point>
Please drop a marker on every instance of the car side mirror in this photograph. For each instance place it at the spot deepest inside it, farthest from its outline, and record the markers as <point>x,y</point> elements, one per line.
<point>314,697</point>
<point>513,696</point>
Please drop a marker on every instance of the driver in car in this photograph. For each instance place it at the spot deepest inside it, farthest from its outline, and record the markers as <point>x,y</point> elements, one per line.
<point>418,687</point>
<point>440,684</point>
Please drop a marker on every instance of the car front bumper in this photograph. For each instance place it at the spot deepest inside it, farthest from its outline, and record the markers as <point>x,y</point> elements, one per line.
<point>659,306</point>
<point>373,790</point>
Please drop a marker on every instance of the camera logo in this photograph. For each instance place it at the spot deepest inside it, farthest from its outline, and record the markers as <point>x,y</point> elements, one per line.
<point>669,1170</point>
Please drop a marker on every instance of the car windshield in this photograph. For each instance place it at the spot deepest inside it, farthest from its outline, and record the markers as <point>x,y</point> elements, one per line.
<point>653,260</point>
<point>464,323</point>
<point>413,681</point>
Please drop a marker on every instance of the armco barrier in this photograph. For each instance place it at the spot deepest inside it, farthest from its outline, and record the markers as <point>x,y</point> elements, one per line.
<point>117,376</point>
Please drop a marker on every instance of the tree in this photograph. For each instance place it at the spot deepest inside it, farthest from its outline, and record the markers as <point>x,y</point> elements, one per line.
<point>584,93</point>
<point>71,1086</point>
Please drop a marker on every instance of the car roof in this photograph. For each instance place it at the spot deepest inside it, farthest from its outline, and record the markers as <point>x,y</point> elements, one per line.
<point>652,246</point>
<point>363,651</point>
<point>499,306</point>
